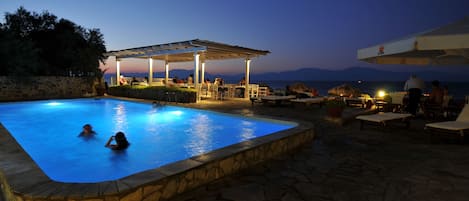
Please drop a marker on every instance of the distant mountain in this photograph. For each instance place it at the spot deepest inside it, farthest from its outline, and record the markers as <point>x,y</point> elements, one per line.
<point>356,73</point>
<point>316,74</point>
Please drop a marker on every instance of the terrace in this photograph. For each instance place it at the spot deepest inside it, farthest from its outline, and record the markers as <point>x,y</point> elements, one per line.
<point>198,51</point>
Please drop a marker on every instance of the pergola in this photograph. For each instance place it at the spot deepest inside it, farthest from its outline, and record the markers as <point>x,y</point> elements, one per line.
<point>196,50</point>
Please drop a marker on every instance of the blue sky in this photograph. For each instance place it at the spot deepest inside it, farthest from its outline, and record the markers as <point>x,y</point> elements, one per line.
<point>299,33</point>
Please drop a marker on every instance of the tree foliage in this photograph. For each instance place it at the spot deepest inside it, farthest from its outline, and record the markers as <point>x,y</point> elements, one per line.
<point>42,44</point>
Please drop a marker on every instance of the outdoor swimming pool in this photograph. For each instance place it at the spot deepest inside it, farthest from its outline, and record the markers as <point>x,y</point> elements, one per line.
<point>48,130</point>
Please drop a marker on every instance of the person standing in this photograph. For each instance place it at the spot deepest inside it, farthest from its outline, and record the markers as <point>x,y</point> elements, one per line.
<point>414,87</point>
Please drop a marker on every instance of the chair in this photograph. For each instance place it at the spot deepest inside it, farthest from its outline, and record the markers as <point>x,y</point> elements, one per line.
<point>437,110</point>
<point>397,101</point>
<point>253,90</point>
<point>459,126</point>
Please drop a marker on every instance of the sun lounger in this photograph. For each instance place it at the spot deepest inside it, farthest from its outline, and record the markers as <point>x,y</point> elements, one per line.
<point>459,126</point>
<point>309,101</point>
<point>276,99</point>
<point>383,118</point>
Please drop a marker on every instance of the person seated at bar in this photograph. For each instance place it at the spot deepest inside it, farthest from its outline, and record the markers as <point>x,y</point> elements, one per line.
<point>242,81</point>
<point>122,80</point>
<point>134,81</point>
<point>190,79</point>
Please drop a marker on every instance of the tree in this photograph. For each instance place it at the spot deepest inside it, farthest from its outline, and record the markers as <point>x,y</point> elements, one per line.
<point>39,44</point>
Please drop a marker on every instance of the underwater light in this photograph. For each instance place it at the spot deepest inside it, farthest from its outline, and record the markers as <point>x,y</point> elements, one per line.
<point>54,103</point>
<point>177,112</point>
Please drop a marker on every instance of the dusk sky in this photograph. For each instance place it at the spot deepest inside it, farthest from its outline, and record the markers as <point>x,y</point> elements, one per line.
<point>317,33</point>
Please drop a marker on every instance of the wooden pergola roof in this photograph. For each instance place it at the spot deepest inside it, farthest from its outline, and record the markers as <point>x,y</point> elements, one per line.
<point>184,51</point>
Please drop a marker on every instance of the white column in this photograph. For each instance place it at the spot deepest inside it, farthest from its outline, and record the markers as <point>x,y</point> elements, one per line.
<point>118,71</point>
<point>246,91</point>
<point>150,71</point>
<point>166,71</point>
<point>202,76</point>
<point>196,74</point>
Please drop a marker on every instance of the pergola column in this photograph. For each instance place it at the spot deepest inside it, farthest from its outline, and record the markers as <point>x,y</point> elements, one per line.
<point>166,73</point>
<point>118,71</point>
<point>196,74</point>
<point>202,76</point>
<point>246,78</point>
<point>150,71</point>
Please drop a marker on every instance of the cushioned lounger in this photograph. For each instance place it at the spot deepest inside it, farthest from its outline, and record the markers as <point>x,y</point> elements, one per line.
<point>276,99</point>
<point>309,101</point>
<point>459,126</point>
<point>383,118</point>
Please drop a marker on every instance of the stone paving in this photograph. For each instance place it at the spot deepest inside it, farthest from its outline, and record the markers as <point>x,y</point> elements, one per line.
<point>346,163</point>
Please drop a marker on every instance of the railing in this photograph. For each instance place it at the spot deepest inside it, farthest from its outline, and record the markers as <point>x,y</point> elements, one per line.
<point>220,92</point>
<point>208,90</point>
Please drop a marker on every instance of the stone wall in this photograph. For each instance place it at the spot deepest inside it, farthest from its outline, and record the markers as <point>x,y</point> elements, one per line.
<point>44,87</point>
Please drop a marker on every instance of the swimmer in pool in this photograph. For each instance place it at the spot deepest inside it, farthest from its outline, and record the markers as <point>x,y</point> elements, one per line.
<point>87,131</point>
<point>121,141</point>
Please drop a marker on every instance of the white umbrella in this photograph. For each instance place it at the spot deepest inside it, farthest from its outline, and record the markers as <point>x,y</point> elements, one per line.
<point>446,45</point>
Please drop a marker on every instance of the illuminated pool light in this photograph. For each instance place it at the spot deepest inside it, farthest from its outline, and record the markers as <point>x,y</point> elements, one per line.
<point>54,103</point>
<point>177,112</point>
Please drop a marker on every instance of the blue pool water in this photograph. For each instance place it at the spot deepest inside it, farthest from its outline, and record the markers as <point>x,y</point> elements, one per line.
<point>48,131</point>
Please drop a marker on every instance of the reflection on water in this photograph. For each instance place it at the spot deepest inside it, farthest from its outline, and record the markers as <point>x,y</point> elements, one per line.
<point>200,135</point>
<point>247,132</point>
<point>120,118</point>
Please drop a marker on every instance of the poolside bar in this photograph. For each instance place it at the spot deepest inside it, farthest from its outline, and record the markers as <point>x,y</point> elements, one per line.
<point>195,50</point>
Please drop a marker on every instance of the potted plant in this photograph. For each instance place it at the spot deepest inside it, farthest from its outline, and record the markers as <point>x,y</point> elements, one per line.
<point>335,107</point>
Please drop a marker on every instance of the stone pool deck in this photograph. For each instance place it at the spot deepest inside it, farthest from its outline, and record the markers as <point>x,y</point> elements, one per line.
<point>346,163</point>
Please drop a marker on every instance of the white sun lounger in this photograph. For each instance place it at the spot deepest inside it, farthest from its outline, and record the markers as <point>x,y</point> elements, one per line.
<point>383,118</point>
<point>459,126</point>
<point>309,101</point>
<point>277,99</point>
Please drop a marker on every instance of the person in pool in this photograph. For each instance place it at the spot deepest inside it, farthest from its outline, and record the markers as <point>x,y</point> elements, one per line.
<point>87,131</point>
<point>121,141</point>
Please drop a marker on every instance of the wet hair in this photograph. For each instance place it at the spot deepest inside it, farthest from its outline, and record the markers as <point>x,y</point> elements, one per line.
<point>121,140</point>
<point>88,128</point>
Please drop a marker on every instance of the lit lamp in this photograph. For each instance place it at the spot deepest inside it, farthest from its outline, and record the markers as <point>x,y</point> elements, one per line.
<point>381,94</point>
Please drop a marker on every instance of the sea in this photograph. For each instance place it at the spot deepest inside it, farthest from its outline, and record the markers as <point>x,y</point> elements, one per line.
<point>457,89</point>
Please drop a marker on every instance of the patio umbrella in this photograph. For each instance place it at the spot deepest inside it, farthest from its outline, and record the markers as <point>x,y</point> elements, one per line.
<point>446,45</point>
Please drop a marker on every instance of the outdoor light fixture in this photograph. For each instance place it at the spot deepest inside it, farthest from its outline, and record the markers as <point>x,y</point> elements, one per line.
<point>381,93</point>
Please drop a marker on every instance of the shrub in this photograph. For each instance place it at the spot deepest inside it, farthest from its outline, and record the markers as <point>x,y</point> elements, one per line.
<point>160,93</point>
